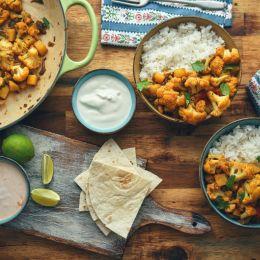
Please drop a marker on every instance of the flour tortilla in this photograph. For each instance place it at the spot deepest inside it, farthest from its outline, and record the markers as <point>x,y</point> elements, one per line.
<point>131,155</point>
<point>82,202</point>
<point>82,179</point>
<point>116,195</point>
<point>111,154</point>
<point>85,204</point>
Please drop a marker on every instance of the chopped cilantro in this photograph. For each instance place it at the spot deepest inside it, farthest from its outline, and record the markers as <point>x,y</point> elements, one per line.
<point>143,84</point>
<point>221,204</point>
<point>225,90</point>
<point>230,181</point>
<point>241,196</point>
<point>46,22</point>
<point>187,97</point>
<point>258,158</point>
<point>198,66</point>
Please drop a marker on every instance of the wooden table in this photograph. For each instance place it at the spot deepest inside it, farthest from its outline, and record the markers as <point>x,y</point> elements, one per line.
<point>172,152</point>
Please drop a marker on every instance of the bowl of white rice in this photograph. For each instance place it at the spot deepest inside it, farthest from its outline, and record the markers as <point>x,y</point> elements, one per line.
<point>177,43</point>
<point>238,141</point>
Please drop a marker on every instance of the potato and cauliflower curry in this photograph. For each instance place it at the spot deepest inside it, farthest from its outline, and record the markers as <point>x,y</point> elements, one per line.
<point>194,95</point>
<point>234,187</point>
<point>21,50</point>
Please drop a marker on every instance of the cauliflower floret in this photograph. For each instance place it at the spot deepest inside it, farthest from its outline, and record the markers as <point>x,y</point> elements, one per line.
<point>200,106</point>
<point>251,190</point>
<point>216,163</point>
<point>220,51</point>
<point>20,74</point>
<point>4,15</point>
<point>27,18</point>
<point>176,84</point>
<point>207,68</point>
<point>230,208</point>
<point>19,47</point>
<point>204,83</point>
<point>192,116</point>
<point>14,5</point>
<point>31,59</point>
<point>216,81</point>
<point>158,77</point>
<point>219,103</point>
<point>33,31</point>
<point>221,179</point>
<point>231,57</point>
<point>180,73</point>
<point>21,28</point>
<point>232,83</point>
<point>192,83</point>
<point>214,191</point>
<point>243,170</point>
<point>249,212</point>
<point>5,45</point>
<point>6,55</point>
<point>217,65</point>
<point>151,90</point>
<point>181,100</point>
<point>169,99</point>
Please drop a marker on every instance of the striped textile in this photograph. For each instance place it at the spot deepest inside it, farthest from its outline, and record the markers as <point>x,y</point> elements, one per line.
<point>125,26</point>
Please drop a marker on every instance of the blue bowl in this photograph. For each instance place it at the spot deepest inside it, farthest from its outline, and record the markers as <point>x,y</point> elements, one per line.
<point>224,131</point>
<point>93,74</point>
<point>23,172</point>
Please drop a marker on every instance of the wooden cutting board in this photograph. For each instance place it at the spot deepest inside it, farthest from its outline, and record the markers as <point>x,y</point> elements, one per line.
<point>65,223</point>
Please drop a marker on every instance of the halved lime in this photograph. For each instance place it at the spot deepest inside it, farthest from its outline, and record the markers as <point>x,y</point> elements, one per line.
<point>45,197</point>
<point>47,169</point>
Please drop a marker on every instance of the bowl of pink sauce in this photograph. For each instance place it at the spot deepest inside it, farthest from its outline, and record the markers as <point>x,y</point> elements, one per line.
<point>14,189</point>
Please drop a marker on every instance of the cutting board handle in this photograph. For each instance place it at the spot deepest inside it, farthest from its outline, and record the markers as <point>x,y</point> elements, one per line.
<point>184,221</point>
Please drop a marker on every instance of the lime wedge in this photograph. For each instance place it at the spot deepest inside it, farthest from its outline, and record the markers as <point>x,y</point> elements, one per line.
<point>47,169</point>
<point>45,197</point>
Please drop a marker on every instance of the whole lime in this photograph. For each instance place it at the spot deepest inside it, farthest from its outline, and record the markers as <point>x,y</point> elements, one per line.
<point>18,147</point>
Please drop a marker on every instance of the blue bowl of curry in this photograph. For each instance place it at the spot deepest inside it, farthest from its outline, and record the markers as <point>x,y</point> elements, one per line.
<point>227,208</point>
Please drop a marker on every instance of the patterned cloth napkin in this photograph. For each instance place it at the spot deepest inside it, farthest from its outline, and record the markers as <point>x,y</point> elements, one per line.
<point>254,91</point>
<point>125,26</point>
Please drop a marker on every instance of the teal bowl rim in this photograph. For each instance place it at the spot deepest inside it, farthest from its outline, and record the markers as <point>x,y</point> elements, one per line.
<point>103,72</point>
<point>23,172</point>
<point>223,131</point>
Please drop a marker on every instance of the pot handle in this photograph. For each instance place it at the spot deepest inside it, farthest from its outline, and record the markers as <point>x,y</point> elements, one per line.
<point>69,64</point>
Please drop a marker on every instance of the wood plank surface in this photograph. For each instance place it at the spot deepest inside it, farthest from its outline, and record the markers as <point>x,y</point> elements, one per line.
<point>65,223</point>
<point>172,152</point>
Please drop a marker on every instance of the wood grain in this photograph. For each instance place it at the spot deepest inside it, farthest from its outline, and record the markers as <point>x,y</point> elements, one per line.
<point>64,223</point>
<point>172,152</point>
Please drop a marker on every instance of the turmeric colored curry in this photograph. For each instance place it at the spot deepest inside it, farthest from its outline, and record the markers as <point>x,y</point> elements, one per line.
<point>21,50</point>
<point>196,94</point>
<point>234,187</point>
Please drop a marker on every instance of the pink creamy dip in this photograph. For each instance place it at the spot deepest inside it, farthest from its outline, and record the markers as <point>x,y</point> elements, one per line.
<point>13,190</point>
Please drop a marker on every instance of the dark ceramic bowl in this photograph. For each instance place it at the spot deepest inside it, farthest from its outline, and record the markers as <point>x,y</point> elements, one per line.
<point>23,173</point>
<point>224,131</point>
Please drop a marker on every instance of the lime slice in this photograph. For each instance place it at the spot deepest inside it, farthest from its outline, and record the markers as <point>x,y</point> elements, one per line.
<point>47,169</point>
<point>45,197</point>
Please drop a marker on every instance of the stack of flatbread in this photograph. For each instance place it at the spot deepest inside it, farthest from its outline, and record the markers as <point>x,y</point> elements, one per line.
<point>114,187</point>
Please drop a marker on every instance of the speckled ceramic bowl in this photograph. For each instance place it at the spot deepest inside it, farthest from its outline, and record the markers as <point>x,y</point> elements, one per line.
<point>23,173</point>
<point>173,23</point>
<point>224,131</point>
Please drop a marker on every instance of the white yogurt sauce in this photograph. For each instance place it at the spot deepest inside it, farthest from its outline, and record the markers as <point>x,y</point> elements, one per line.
<point>13,190</point>
<point>104,102</point>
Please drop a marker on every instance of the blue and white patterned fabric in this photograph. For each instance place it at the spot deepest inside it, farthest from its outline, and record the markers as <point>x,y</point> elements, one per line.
<point>254,91</point>
<point>125,26</point>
